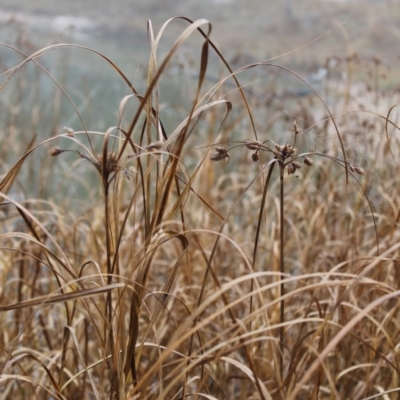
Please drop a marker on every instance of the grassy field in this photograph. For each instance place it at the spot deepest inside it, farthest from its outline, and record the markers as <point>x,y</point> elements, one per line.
<point>198,239</point>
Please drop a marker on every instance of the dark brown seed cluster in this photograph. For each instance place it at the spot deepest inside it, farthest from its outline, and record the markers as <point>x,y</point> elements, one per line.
<point>284,151</point>
<point>111,164</point>
<point>255,146</point>
<point>293,167</point>
<point>221,153</point>
<point>255,156</point>
<point>308,161</point>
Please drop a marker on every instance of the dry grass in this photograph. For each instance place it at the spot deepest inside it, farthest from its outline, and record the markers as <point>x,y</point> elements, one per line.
<point>250,252</point>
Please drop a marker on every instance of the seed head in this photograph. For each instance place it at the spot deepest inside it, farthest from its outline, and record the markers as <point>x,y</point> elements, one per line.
<point>69,131</point>
<point>111,164</point>
<point>55,151</point>
<point>295,128</point>
<point>252,145</point>
<point>220,154</point>
<point>296,164</point>
<point>255,156</point>
<point>359,170</point>
<point>291,169</point>
<point>285,151</point>
<point>308,161</point>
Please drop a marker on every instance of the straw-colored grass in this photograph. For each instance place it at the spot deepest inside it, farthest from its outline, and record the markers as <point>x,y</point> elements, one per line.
<point>249,252</point>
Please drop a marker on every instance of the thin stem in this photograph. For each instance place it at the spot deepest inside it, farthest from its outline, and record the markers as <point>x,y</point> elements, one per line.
<point>257,237</point>
<point>282,268</point>
<point>108,326</point>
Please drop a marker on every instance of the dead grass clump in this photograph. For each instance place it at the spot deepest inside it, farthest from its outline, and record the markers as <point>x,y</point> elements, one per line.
<point>150,267</point>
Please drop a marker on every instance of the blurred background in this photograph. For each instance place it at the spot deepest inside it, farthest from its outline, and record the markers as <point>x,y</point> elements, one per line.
<point>310,37</point>
<point>253,29</point>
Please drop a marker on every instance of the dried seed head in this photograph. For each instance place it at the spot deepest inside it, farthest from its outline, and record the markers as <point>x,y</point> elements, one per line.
<point>252,145</point>
<point>220,154</point>
<point>295,128</point>
<point>308,161</point>
<point>55,151</point>
<point>69,131</point>
<point>359,170</point>
<point>296,164</point>
<point>291,169</point>
<point>111,164</point>
<point>255,156</point>
<point>352,168</point>
<point>291,150</point>
<point>285,151</point>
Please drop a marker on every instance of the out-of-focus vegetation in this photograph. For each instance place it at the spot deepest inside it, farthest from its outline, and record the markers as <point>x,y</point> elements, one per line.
<point>254,29</point>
